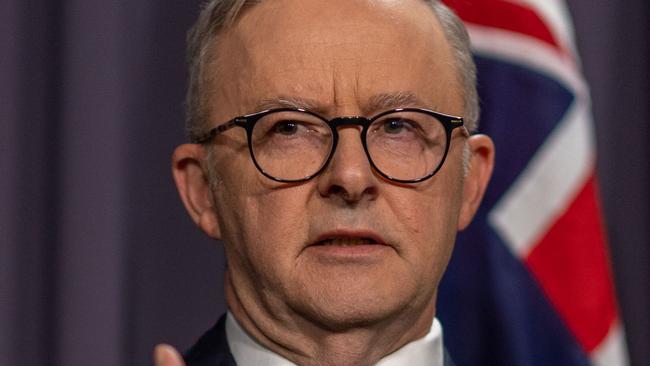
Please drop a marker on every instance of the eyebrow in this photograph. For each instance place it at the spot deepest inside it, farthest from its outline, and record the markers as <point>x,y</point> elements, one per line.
<point>399,99</point>
<point>290,102</point>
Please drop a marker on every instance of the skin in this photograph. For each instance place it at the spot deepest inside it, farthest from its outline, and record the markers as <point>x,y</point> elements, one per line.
<point>331,305</point>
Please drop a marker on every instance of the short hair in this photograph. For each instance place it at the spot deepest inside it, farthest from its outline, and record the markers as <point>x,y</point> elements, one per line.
<point>216,15</point>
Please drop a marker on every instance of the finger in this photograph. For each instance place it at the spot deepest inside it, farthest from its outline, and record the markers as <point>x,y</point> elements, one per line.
<point>166,355</point>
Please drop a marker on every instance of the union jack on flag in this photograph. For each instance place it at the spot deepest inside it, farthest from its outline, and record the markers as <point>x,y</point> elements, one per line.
<point>529,283</point>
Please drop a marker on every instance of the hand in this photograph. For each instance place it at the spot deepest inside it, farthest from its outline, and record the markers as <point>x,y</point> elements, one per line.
<point>166,355</point>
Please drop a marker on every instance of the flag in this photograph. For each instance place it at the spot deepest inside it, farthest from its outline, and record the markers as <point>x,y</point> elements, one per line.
<point>529,283</point>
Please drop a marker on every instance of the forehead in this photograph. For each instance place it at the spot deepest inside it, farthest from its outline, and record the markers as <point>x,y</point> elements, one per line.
<point>338,53</point>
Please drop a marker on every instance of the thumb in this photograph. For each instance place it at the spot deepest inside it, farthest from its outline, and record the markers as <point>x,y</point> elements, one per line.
<point>166,355</point>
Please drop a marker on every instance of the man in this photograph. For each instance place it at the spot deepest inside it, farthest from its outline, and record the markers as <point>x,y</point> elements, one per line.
<point>339,192</point>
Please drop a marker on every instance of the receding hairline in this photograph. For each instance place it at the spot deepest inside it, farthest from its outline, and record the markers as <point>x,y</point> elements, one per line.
<point>238,8</point>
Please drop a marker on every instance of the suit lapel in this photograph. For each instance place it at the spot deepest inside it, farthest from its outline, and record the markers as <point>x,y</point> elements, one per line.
<point>212,348</point>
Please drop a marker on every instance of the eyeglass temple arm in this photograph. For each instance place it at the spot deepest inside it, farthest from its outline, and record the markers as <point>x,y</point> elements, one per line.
<point>214,132</point>
<point>459,123</point>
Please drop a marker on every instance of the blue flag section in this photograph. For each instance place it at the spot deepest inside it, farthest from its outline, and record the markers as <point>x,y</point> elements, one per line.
<point>523,287</point>
<point>494,312</point>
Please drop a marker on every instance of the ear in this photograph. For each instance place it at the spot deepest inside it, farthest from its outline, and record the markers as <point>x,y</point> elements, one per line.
<point>481,162</point>
<point>193,186</point>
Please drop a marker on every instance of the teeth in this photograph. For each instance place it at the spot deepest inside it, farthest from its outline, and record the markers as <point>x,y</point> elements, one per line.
<point>345,242</point>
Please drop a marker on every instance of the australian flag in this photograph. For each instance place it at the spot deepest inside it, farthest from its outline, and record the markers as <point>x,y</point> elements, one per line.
<point>529,283</point>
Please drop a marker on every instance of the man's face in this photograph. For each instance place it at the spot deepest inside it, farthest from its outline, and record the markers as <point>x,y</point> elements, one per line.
<point>347,247</point>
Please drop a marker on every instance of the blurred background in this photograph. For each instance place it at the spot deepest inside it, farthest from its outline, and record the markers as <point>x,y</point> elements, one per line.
<point>98,259</point>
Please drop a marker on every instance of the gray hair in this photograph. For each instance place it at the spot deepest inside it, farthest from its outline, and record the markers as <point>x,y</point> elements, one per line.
<point>216,15</point>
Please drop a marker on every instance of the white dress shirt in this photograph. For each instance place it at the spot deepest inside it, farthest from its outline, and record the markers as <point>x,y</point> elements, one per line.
<point>427,351</point>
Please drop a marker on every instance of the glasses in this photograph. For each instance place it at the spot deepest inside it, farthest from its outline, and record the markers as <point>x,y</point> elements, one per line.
<point>404,145</point>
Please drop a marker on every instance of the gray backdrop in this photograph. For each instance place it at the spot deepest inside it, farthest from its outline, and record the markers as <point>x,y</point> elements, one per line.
<point>98,260</point>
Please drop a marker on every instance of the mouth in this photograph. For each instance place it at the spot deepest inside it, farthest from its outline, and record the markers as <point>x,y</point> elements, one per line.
<point>349,247</point>
<point>348,238</point>
<point>346,241</point>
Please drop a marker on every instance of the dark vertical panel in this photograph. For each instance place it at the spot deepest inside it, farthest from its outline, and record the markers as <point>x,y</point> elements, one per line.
<point>613,41</point>
<point>31,226</point>
<point>92,161</point>
<point>9,61</point>
<point>175,287</point>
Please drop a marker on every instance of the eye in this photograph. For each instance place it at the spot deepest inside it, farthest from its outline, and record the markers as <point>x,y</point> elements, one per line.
<point>395,126</point>
<point>286,127</point>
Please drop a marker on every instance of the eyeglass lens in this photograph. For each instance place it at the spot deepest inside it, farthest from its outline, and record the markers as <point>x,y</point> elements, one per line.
<point>406,145</point>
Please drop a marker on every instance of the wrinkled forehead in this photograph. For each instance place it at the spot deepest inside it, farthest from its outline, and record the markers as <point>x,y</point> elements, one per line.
<point>276,16</point>
<point>335,51</point>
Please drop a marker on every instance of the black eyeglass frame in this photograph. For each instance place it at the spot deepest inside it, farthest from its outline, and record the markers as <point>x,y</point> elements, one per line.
<point>248,122</point>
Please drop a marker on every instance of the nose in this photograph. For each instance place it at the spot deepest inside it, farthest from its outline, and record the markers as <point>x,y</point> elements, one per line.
<point>349,176</point>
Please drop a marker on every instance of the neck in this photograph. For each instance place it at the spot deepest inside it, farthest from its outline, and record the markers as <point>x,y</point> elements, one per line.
<point>306,341</point>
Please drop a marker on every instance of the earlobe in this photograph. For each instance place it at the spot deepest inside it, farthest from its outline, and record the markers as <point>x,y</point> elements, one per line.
<point>193,187</point>
<point>481,162</point>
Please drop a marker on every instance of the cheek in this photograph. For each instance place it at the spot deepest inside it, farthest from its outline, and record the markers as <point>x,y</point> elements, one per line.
<point>427,214</point>
<point>278,221</point>
<point>263,226</point>
<point>427,220</point>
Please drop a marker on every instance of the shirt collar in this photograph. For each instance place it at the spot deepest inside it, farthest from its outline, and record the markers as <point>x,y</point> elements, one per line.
<point>427,351</point>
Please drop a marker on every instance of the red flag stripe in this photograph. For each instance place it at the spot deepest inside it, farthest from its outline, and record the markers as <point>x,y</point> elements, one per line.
<point>504,15</point>
<point>571,264</point>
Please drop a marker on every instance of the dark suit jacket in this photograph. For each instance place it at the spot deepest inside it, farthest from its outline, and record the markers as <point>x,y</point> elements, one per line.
<point>212,349</point>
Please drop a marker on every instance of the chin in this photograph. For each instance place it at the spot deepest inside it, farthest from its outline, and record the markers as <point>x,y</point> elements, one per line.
<point>353,303</point>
